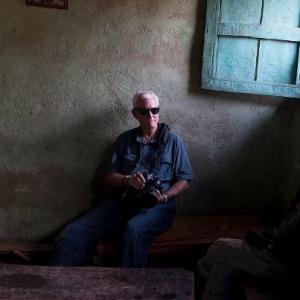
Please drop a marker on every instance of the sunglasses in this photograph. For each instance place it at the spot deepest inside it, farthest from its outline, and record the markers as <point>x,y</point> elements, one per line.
<point>146,111</point>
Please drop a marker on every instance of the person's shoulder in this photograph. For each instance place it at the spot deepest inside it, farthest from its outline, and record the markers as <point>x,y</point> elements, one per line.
<point>174,136</point>
<point>128,134</point>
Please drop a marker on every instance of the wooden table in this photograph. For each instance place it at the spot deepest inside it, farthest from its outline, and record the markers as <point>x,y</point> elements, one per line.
<point>41,282</point>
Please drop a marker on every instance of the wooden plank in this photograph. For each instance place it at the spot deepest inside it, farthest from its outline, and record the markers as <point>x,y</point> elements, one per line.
<point>241,11</point>
<point>188,232</point>
<point>25,246</point>
<point>285,12</point>
<point>298,68</point>
<point>283,90</point>
<point>236,58</point>
<point>193,230</point>
<point>39,282</point>
<point>278,62</point>
<point>210,40</point>
<point>259,32</point>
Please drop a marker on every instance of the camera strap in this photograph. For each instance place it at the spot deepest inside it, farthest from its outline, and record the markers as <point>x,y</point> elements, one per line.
<point>162,139</point>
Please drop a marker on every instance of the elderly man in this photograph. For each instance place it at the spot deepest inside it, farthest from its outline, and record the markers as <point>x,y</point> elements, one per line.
<point>151,167</point>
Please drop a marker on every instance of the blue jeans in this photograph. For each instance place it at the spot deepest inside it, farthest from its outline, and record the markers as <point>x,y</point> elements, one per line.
<point>110,217</point>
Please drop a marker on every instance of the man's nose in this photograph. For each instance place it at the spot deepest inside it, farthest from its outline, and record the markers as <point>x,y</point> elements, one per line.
<point>149,113</point>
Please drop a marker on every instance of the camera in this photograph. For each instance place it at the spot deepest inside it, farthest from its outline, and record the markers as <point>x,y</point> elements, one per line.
<point>149,191</point>
<point>146,197</point>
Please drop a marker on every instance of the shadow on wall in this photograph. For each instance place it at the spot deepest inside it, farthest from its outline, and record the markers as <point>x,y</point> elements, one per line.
<point>253,177</point>
<point>197,50</point>
<point>56,184</point>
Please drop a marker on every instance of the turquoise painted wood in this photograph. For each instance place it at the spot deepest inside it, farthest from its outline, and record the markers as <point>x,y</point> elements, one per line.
<point>240,11</point>
<point>253,46</point>
<point>281,12</point>
<point>270,32</point>
<point>278,66</point>
<point>237,54</point>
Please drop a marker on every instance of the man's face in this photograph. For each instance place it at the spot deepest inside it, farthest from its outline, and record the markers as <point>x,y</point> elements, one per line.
<point>150,119</point>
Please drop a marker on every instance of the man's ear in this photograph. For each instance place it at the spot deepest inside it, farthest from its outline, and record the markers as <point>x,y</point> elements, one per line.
<point>134,113</point>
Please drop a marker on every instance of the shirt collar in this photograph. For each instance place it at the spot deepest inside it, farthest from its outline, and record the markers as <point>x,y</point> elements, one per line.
<point>139,137</point>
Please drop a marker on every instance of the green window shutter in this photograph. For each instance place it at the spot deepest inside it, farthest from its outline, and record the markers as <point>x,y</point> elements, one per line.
<point>252,46</point>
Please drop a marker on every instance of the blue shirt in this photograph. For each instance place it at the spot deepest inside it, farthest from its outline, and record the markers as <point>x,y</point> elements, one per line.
<point>131,154</point>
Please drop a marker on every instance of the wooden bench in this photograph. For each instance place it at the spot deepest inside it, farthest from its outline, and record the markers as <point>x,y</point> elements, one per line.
<point>190,232</point>
<point>186,233</point>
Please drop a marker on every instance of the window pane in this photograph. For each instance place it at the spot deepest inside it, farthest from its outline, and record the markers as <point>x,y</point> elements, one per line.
<point>236,58</point>
<point>282,12</point>
<point>241,11</point>
<point>277,62</point>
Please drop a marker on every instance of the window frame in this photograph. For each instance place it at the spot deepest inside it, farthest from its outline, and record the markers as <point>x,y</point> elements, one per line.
<point>214,28</point>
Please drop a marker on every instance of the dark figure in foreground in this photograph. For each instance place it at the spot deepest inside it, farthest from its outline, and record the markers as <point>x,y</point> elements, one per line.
<point>149,168</point>
<point>267,257</point>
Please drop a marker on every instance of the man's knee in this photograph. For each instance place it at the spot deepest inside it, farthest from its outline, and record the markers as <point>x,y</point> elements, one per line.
<point>134,229</point>
<point>74,232</point>
<point>71,229</point>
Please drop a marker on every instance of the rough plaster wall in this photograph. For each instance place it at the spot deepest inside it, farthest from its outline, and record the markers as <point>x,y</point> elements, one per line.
<point>66,80</point>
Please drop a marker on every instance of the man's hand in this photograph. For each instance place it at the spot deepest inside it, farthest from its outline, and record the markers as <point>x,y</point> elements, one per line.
<point>177,188</point>
<point>161,198</point>
<point>136,181</point>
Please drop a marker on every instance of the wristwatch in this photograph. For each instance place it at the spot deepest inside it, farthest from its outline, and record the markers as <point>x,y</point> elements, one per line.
<point>126,178</point>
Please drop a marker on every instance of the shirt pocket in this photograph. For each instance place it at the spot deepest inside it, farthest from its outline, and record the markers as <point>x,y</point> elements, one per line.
<point>165,168</point>
<point>129,163</point>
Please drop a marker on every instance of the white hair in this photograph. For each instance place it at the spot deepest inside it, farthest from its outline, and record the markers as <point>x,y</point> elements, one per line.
<point>143,95</point>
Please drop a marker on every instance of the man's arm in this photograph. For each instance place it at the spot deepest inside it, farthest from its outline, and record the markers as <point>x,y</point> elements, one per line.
<point>137,181</point>
<point>115,180</point>
<point>176,189</point>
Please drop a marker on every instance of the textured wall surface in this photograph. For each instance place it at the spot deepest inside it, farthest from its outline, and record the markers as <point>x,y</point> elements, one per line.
<point>66,82</point>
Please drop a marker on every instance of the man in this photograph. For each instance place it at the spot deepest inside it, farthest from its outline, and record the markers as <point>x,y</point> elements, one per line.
<point>151,149</point>
<point>269,256</point>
